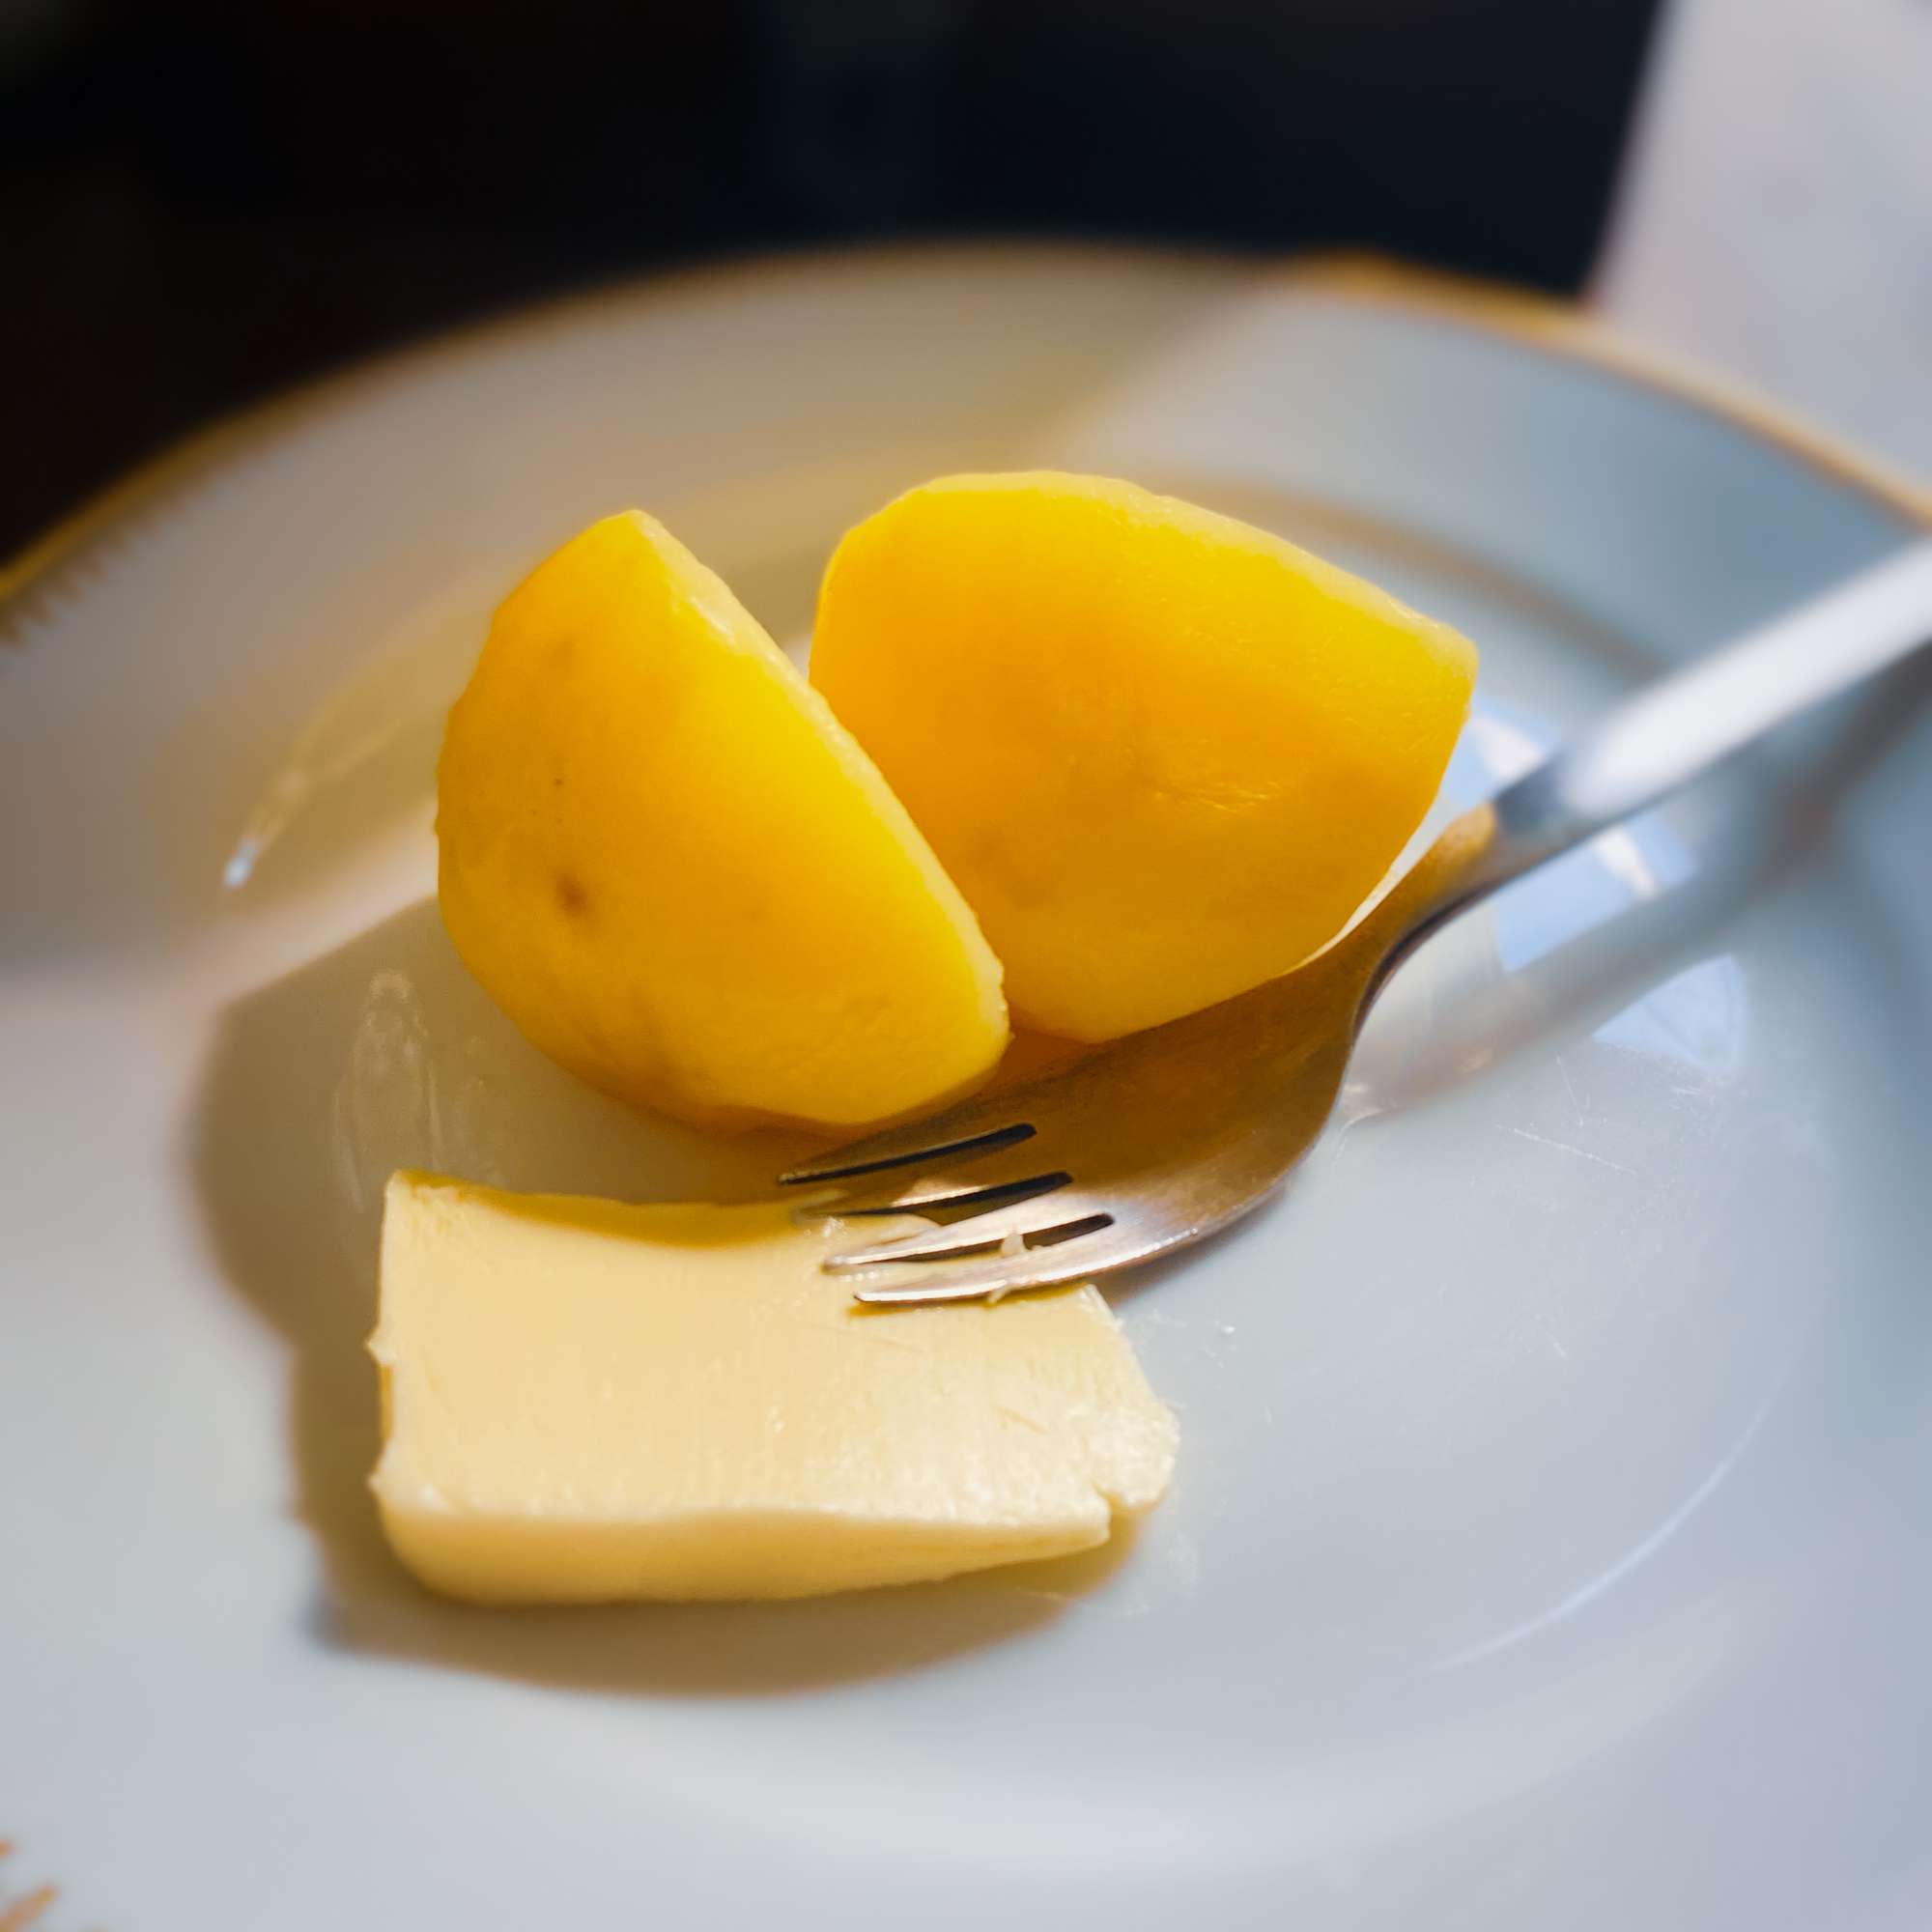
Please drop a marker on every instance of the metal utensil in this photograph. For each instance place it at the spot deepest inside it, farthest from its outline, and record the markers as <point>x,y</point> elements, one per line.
<point>1161,1138</point>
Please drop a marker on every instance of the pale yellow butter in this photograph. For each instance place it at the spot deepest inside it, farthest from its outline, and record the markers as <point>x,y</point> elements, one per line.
<point>585,1402</point>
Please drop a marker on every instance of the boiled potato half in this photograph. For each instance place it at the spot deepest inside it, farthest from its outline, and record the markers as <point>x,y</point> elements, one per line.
<point>674,870</point>
<point>1164,756</point>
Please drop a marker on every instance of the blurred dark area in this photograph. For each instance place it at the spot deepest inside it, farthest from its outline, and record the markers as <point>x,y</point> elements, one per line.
<point>200,204</point>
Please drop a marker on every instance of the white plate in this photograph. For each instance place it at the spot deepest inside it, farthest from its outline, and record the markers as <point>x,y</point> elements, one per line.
<point>1553,1539</point>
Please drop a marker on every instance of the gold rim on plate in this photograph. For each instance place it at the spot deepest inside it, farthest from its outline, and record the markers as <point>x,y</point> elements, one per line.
<point>1545,323</point>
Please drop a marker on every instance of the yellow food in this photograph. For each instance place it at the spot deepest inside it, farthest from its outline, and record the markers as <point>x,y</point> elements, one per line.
<point>585,1402</point>
<point>1164,756</point>
<point>674,870</point>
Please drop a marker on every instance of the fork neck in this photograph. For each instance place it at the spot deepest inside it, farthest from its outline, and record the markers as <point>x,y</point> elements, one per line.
<point>1668,734</point>
<point>1469,860</point>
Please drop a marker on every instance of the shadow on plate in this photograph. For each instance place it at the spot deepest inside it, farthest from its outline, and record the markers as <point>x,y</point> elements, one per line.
<point>387,1054</point>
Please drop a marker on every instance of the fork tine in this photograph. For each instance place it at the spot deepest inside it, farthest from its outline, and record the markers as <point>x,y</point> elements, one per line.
<point>1011,1224</point>
<point>938,1198</point>
<point>917,1189</point>
<point>989,1277</point>
<point>951,1136</point>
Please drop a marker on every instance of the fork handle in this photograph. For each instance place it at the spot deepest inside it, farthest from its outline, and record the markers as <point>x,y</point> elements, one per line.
<point>1671,732</point>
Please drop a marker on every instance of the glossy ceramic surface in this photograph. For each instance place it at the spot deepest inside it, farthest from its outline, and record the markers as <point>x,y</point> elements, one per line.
<point>1549,1545</point>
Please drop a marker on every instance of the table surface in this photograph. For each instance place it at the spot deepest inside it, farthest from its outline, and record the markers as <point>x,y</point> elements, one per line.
<point>1775,218</point>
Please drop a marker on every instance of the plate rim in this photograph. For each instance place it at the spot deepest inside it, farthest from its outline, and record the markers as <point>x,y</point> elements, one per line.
<point>1552,326</point>
<point>1483,311</point>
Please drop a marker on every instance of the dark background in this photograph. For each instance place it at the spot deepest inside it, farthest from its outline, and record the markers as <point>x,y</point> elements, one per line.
<point>200,204</point>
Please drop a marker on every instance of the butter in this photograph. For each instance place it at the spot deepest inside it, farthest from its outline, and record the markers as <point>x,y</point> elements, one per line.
<point>585,1402</point>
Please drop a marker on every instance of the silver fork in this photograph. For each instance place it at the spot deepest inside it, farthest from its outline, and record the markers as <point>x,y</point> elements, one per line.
<point>1161,1138</point>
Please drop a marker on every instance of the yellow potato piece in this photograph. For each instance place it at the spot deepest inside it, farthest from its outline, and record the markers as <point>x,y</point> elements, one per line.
<point>679,875</point>
<point>1164,756</point>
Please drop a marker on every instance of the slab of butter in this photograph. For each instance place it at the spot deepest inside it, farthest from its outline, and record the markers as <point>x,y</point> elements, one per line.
<point>585,1402</point>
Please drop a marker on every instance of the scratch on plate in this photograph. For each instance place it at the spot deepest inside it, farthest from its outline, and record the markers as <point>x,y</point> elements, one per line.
<point>1570,1087</point>
<point>1581,1154</point>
